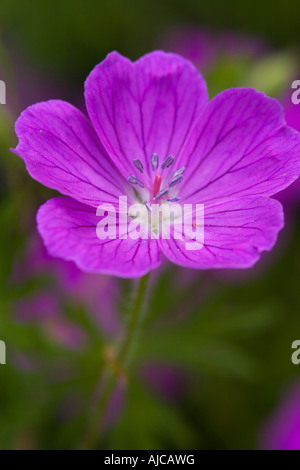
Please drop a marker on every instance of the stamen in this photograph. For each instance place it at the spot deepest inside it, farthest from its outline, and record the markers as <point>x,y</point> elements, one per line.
<point>154,161</point>
<point>161,193</point>
<point>168,162</point>
<point>175,180</point>
<point>148,206</point>
<point>138,164</point>
<point>154,186</point>
<point>173,199</point>
<point>178,172</point>
<point>135,180</point>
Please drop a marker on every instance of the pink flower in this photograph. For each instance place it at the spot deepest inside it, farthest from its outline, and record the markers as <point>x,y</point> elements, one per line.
<point>152,135</point>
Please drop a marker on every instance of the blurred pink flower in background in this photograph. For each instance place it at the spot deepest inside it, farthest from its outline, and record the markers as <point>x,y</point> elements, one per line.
<point>205,47</point>
<point>166,380</point>
<point>196,44</point>
<point>282,429</point>
<point>97,293</point>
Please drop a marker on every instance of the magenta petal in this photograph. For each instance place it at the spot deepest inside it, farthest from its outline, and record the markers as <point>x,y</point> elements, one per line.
<point>240,146</point>
<point>235,233</point>
<point>68,229</point>
<point>61,150</point>
<point>144,107</point>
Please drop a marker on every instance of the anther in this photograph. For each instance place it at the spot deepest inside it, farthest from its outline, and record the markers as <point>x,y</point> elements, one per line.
<point>148,206</point>
<point>154,161</point>
<point>180,171</point>
<point>175,180</point>
<point>135,180</point>
<point>168,162</point>
<point>138,164</point>
<point>173,199</point>
<point>161,193</point>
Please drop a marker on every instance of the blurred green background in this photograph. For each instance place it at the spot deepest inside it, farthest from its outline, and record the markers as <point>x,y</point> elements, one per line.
<point>215,352</point>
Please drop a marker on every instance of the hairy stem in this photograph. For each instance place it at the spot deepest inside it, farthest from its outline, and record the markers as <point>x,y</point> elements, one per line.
<point>118,365</point>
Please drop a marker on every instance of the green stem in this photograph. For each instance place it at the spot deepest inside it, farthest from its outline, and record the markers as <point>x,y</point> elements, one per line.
<point>121,362</point>
<point>135,319</point>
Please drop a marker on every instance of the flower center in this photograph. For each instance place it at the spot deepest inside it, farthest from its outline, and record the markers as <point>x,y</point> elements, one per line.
<point>161,186</point>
